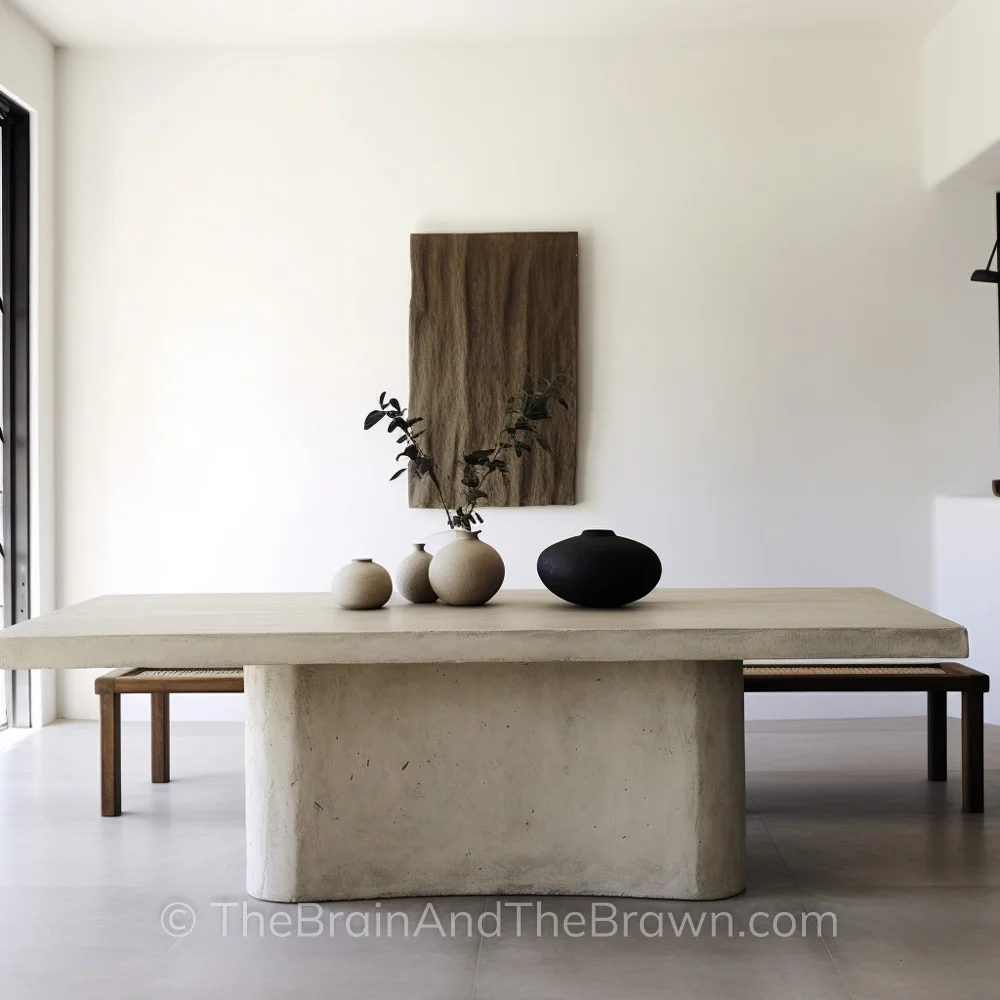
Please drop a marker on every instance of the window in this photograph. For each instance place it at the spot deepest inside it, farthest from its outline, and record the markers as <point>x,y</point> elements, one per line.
<point>15,254</point>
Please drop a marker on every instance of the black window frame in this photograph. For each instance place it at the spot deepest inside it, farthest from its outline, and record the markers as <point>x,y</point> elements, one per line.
<point>15,296</point>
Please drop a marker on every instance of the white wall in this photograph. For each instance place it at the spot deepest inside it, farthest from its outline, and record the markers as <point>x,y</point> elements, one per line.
<point>961,113</point>
<point>781,359</point>
<point>967,587</point>
<point>962,147</point>
<point>27,73</point>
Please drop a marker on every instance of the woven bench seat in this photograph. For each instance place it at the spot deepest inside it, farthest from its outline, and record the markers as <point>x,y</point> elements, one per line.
<point>937,679</point>
<point>159,685</point>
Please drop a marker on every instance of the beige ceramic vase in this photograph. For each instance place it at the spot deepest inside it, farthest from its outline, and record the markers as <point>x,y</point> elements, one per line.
<point>361,585</point>
<point>412,579</point>
<point>466,571</point>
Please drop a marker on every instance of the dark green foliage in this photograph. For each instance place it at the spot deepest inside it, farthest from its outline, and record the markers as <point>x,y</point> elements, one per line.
<point>519,434</point>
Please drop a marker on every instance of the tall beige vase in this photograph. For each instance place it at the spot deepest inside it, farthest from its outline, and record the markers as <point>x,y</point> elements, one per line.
<point>466,571</point>
<point>412,579</point>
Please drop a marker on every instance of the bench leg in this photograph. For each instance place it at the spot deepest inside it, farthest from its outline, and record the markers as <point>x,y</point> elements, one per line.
<point>937,735</point>
<point>111,754</point>
<point>972,751</point>
<point>160,732</point>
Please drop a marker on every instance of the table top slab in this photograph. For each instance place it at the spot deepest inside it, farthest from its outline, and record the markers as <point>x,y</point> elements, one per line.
<point>199,630</point>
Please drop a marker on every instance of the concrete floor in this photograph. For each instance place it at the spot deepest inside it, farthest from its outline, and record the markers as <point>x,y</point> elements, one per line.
<point>840,820</point>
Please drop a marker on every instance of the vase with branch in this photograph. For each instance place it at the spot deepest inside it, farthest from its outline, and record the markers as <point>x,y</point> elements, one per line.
<point>472,575</point>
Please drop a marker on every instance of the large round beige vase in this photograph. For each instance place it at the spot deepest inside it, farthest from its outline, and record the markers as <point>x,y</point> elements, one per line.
<point>466,571</point>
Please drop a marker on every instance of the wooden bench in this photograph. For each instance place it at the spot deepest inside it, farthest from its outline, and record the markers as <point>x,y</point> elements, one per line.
<point>937,679</point>
<point>159,685</point>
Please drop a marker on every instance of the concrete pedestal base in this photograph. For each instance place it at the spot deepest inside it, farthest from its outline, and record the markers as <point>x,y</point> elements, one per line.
<point>612,779</point>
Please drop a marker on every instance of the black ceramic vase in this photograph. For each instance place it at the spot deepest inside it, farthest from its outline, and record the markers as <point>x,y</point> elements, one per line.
<point>598,569</point>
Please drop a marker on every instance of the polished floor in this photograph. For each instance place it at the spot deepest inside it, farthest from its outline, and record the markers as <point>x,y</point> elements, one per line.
<point>840,821</point>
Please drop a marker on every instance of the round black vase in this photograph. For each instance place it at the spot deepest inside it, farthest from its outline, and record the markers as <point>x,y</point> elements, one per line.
<point>598,569</point>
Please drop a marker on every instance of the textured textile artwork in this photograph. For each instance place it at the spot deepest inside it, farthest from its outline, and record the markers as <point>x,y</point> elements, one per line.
<point>485,309</point>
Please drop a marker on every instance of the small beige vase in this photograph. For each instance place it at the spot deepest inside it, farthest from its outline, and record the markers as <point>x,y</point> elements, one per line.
<point>361,585</point>
<point>412,579</point>
<point>466,571</point>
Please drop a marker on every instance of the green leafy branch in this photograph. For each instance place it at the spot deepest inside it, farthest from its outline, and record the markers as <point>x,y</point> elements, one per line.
<point>520,434</point>
<point>418,461</point>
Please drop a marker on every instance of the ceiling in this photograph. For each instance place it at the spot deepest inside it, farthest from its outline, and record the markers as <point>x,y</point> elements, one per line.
<point>275,22</point>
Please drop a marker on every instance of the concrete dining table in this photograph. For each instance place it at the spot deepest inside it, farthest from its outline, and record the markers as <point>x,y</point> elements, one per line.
<point>523,747</point>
